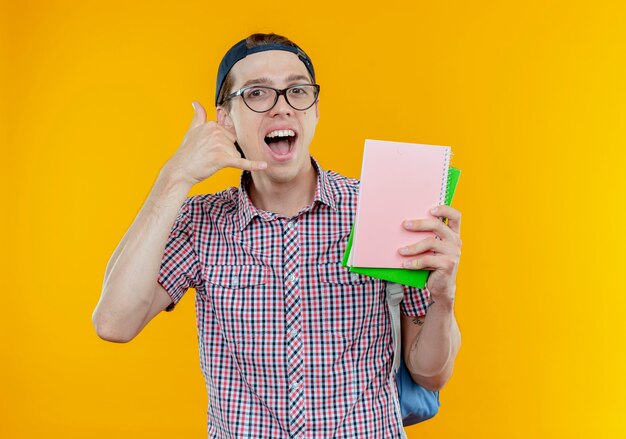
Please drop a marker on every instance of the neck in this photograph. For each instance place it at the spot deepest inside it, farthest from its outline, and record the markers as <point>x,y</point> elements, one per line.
<point>284,198</point>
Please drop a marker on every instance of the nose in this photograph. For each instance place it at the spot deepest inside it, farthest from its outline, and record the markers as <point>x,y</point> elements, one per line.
<point>282,106</point>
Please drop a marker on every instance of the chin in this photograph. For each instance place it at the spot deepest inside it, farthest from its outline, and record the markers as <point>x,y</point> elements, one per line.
<point>282,173</point>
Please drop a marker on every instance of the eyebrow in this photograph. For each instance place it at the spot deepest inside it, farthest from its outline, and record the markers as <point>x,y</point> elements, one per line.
<point>264,80</point>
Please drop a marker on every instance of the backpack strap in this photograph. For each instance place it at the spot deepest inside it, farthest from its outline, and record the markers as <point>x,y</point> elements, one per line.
<point>395,294</point>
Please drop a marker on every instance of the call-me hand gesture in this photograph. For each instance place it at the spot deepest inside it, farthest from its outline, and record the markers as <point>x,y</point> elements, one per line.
<point>206,148</point>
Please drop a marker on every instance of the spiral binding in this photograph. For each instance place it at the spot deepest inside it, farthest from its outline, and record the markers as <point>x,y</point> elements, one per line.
<point>445,181</point>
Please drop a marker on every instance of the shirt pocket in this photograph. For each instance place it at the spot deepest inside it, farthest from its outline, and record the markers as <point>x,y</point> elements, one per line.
<point>353,305</point>
<point>236,277</point>
<point>238,293</point>
<point>245,306</point>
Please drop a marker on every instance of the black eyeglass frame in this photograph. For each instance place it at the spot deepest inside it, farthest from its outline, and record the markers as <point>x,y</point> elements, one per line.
<point>279,92</point>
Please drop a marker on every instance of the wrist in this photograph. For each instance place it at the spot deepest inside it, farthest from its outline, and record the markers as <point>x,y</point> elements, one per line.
<point>168,190</point>
<point>171,180</point>
<point>443,301</point>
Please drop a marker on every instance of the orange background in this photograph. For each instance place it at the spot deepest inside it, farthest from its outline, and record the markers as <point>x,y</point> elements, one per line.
<point>96,96</point>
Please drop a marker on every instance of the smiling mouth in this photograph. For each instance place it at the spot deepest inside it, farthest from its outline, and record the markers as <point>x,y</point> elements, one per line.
<point>281,141</point>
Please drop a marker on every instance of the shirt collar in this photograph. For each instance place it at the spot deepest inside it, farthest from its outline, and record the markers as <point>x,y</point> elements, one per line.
<point>247,210</point>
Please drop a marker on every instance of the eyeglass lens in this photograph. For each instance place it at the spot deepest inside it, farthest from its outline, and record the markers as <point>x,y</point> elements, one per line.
<point>262,99</point>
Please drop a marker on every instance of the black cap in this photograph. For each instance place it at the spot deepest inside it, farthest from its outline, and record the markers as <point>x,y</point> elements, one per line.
<point>239,51</point>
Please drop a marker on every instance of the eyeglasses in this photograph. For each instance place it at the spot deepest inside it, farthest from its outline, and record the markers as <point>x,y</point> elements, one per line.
<point>261,98</point>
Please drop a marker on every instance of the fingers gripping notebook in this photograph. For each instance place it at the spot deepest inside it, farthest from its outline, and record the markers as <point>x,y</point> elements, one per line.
<point>399,181</point>
<point>414,278</point>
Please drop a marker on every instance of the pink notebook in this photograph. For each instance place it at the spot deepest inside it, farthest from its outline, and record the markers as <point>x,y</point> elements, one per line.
<point>399,181</point>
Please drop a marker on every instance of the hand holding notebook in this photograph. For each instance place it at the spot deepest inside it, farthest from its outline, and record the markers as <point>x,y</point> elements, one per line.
<point>399,181</point>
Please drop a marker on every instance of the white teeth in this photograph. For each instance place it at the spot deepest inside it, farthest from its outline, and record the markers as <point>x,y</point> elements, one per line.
<point>281,133</point>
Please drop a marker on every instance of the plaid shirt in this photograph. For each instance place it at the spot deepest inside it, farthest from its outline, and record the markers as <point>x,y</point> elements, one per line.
<point>292,345</point>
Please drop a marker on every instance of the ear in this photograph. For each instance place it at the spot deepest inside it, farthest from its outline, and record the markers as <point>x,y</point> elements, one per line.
<point>224,120</point>
<point>317,110</point>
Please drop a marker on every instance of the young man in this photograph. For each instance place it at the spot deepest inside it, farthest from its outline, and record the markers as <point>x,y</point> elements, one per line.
<point>291,344</point>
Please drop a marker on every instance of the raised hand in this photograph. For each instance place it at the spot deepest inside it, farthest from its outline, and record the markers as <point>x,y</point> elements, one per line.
<point>206,148</point>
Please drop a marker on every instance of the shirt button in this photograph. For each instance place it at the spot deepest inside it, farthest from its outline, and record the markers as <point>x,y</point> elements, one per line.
<point>293,332</point>
<point>291,278</point>
<point>294,386</point>
<point>291,224</point>
<point>234,282</point>
<point>354,277</point>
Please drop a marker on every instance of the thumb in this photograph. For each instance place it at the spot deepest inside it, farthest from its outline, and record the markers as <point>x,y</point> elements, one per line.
<point>199,115</point>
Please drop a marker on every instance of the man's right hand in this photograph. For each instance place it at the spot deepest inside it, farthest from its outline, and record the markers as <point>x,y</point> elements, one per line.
<point>206,148</point>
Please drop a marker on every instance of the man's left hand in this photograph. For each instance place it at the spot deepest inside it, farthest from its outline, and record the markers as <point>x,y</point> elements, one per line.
<point>439,254</point>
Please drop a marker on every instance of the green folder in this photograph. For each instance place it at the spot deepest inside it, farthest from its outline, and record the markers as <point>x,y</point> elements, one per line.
<point>413,278</point>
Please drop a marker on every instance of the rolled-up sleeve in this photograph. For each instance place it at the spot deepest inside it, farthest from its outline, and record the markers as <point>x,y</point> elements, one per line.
<point>180,267</point>
<point>415,302</point>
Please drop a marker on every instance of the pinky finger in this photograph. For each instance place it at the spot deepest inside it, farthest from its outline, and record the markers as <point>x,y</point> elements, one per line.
<point>247,165</point>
